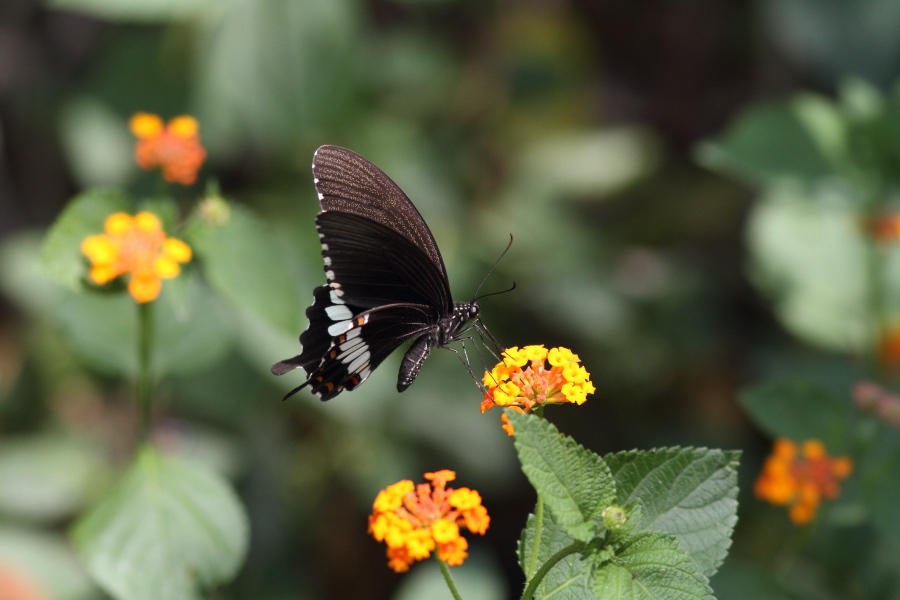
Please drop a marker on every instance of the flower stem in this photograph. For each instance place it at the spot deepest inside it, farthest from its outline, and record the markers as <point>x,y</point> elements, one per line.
<point>144,391</point>
<point>535,581</point>
<point>445,571</point>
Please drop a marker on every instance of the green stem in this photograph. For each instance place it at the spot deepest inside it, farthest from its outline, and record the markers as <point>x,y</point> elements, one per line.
<point>535,581</point>
<point>538,529</point>
<point>445,570</point>
<point>144,390</point>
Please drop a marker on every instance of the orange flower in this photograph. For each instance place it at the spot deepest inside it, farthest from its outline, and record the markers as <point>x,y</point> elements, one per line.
<point>803,481</point>
<point>509,385</point>
<point>884,228</point>
<point>415,520</point>
<point>139,246</point>
<point>175,147</point>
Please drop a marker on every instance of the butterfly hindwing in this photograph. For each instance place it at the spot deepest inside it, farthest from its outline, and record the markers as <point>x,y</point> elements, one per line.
<point>369,338</point>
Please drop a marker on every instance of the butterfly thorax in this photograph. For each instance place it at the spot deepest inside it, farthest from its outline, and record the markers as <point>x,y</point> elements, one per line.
<point>447,331</point>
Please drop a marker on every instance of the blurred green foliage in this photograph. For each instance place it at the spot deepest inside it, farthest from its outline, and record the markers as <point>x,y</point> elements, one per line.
<point>569,126</point>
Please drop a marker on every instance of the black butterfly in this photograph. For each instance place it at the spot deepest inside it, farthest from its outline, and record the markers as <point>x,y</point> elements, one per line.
<point>386,281</point>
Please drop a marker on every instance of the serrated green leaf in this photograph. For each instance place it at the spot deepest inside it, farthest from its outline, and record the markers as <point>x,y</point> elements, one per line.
<point>243,263</point>
<point>801,410</point>
<point>690,493</point>
<point>575,483</point>
<point>169,530</point>
<point>568,579</point>
<point>650,566</point>
<point>61,255</point>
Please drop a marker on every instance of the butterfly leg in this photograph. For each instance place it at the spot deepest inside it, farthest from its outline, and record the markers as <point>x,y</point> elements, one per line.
<point>465,361</point>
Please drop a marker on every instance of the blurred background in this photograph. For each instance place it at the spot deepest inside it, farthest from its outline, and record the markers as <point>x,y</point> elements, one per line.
<point>586,128</point>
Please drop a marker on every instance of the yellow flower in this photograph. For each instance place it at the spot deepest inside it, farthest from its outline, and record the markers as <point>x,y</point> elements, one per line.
<point>801,477</point>
<point>513,384</point>
<point>175,148</point>
<point>135,245</point>
<point>413,521</point>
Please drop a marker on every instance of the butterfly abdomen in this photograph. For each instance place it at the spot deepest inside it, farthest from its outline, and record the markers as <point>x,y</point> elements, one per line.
<point>414,358</point>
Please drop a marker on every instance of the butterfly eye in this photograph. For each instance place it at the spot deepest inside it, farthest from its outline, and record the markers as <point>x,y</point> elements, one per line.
<point>473,311</point>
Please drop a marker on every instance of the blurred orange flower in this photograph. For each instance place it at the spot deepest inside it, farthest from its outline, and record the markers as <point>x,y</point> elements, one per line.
<point>174,147</point>
<point>415,520</point>
<point>139,246</point>
<point>801,479</point>
<point>522,389</point>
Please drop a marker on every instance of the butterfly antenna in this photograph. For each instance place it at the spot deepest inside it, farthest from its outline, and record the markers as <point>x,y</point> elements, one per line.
<point>475,296</point>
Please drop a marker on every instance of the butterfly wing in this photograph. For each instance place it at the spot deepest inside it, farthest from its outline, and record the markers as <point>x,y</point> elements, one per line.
<point>367,340</point>
<point>382,290</point>
<point>347,182</point>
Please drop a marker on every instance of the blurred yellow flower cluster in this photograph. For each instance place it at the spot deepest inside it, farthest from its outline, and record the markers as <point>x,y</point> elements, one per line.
<point>524,380</point>
<point>415,520</point>
<point>139,246</point>
<point>801,477</point>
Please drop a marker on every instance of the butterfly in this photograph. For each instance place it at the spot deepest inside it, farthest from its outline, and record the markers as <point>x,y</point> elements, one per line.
<point>386,282</point>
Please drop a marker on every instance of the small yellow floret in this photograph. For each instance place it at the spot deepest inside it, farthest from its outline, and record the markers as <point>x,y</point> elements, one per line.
<point>166,268</point>
<point>145,125</point>
<point>100,250</point>
<point>464,499</point>
<point>147,222</point>
<point>184,126</point>
<point>144,288</point>
<point>118,223</point>
<point>535,352</point>
<point>444,530</point>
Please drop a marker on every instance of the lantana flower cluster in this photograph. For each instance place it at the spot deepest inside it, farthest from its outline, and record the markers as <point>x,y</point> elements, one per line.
<point>173,147</point>
<point>801,477</point>
<point>413,520</point>
<point>533,376</point>
<point>135,245</point>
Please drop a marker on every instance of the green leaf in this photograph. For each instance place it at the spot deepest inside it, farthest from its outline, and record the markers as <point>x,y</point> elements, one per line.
<point>568,579</point>
<point>102,328</point>
<point>690,493</point>
<point>650,566</point>
<point>575,483</point>
<point>801,410</point>
<point>168,530</point>
<point>243,263</point>
<point>47,478</point>
<point>84,216</point>
<point>803,241</point>
<point>779,141</point>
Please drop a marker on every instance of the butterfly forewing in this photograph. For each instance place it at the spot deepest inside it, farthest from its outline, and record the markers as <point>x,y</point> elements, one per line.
<point>347,182</point>
<point>369,265</point>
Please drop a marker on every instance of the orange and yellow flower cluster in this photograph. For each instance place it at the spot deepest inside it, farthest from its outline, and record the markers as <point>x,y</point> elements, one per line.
<point>139,246</point>
<point>174,147</point>
<point>801,477</point>
<point>414,520</point>
<point>523,380</point>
